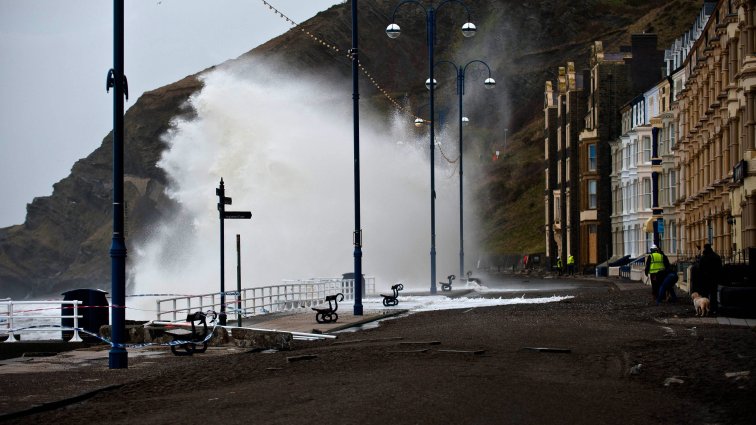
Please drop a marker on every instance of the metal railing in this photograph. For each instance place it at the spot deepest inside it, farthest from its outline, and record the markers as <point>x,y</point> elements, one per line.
<point>291,295</point>
<point>737,257</point>
<point>9,317</point>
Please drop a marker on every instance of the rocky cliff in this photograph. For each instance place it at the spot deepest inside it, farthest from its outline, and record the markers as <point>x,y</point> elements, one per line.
<point>65,239</point>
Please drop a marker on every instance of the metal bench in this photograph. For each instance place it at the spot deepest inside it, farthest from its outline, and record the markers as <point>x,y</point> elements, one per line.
<point>328,315</point>
<point>447,286</point>
<point>391,300</point>
<point>472,279</point>
<point>189,339</point>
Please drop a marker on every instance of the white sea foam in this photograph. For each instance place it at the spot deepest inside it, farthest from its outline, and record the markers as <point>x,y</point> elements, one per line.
<point>441,302</point>
<point>284,146</point>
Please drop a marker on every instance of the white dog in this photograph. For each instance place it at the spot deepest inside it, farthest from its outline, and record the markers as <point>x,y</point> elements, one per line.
<point>701,304</point>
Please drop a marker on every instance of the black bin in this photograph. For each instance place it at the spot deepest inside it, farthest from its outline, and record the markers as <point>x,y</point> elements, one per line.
<point>95,312</point>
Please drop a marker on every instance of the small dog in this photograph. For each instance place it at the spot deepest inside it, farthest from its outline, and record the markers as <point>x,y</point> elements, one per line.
<point>701,304</point>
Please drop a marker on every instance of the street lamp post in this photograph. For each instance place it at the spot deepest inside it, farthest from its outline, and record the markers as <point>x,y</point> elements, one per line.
<point>488,83</point>
<point>118,357</point>
<point>357,235</point>
<point>393,31</point>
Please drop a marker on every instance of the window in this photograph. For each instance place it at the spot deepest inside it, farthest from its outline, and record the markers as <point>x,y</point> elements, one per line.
<point>592,202</point>
<point>672,186</point>
<point>592,157</point>
<point>646,193</point>
<point>633,196</point>
<point>646,149</point>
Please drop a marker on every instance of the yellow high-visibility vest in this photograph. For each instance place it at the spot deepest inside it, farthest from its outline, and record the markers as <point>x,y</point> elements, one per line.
<point>570,260</point>
<point>657,263</point>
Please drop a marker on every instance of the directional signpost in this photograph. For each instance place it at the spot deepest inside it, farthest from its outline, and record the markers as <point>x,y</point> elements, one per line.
<point>224,200</point>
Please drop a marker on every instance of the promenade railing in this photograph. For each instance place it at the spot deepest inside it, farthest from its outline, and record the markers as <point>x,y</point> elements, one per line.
<point>289,296</point>
<point>10,316</point>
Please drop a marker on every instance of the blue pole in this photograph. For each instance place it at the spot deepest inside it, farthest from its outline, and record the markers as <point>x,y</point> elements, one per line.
<point>431,27</point>
<point>118,356</point>
<point>357,236</point>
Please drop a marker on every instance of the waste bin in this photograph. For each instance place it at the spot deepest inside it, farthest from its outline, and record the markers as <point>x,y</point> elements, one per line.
<point>350,276</point>
<point>94,312</point>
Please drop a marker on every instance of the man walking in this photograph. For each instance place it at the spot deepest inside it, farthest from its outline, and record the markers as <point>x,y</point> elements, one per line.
<point>656,264</point>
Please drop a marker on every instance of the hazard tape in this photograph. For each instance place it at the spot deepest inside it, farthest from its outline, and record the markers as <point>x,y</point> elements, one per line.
<point>209,335</point>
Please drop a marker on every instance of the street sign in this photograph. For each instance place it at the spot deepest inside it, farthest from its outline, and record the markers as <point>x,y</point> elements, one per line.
<point>224,200</point>
<point>237,214</point>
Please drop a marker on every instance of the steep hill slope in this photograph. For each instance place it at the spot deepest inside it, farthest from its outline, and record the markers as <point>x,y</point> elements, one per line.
<point>65,240</point>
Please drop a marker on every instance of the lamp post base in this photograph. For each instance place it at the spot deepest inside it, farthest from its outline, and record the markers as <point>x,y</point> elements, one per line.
<point>118,358</point>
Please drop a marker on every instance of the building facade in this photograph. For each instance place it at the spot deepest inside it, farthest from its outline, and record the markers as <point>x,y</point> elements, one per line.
<point>716,122</point>
<point>564,111</point>
<point>665,158</point>
<point>614,77</point>
<point>632,186</point>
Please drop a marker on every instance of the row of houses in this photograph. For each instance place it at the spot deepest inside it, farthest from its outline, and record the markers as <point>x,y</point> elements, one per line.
<point>650,146</point>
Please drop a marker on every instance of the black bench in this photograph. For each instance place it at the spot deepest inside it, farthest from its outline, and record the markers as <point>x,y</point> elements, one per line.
<point>390,300</point>
<point>447,286</point>
<point>328,315</point>
<point>472,279</point>
<point>188,339</point>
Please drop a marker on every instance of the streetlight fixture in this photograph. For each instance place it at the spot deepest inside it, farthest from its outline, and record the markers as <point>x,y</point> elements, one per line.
<point>393,31</point>
<point>489,83</point>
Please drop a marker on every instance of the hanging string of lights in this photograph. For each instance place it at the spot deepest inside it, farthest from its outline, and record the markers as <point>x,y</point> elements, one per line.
<point>335,49</point>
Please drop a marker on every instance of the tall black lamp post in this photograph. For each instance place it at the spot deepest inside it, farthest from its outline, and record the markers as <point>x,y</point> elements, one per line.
<point>393,31</point>
<point>488,83</point>
<point>118,357</point>
<point>357,235</point>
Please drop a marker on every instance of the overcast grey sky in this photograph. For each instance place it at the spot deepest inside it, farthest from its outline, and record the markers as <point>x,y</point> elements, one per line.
<point>54,58</point>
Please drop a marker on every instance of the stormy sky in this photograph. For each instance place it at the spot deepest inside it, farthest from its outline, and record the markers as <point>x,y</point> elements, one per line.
<point>55,55</point>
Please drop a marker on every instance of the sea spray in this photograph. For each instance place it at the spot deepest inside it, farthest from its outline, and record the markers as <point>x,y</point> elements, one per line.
<point>284,146</point>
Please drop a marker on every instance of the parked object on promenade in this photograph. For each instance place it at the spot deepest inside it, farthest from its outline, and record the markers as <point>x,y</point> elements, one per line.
<point>447,286</point>
<point>94,312</point>
<point>701,304</point>
<point>188,340</point>
<point>391,300</point>
<point>472,279</point>
<point>328,315</point>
